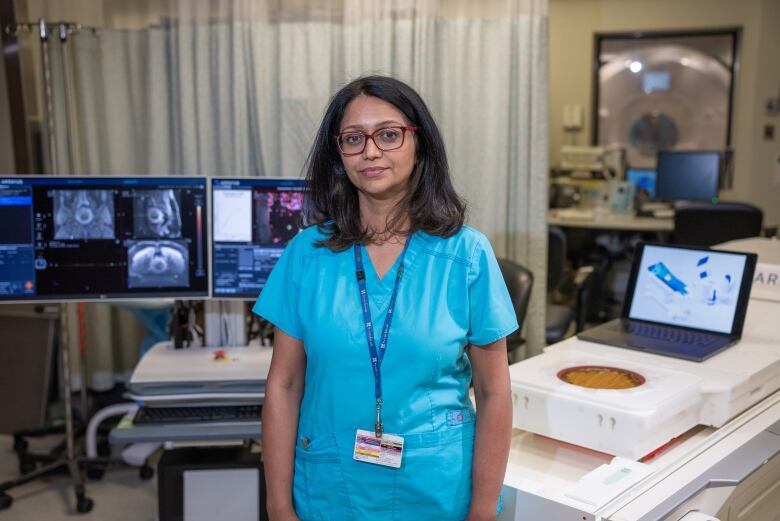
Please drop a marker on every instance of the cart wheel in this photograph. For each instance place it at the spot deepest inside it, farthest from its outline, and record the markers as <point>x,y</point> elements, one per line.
<point>5,501</point>
<point>26,466</point>
<point>20,445</point>
<point>84,504</point>
<point>146,473</point>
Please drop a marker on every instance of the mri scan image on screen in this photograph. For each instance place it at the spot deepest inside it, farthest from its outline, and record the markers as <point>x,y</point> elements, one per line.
<point>277,216</point>
<point>83,214</point>
<point>157,214</point>
<point>157,264</point>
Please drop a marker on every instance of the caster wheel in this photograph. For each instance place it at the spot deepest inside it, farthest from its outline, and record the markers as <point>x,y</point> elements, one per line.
<point>5,501</point>
<point>95,474</point>
<point>146,473</point>
<point>20,445</point>
<point>84,504</point>
<point>26,466</point>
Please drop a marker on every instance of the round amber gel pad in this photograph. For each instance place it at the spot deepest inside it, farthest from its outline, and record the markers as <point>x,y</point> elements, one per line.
<point>601,377</point>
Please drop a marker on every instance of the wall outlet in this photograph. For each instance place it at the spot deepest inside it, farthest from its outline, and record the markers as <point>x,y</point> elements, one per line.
<point>573,116</point>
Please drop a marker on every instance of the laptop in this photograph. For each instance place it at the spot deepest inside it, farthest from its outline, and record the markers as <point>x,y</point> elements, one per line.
<point>682,302</point>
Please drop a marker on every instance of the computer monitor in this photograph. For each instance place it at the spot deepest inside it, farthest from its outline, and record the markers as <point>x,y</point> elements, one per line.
<point>643,179</point>
<point>94,238</point>
<point>254,219</point>
<point>688,175</point>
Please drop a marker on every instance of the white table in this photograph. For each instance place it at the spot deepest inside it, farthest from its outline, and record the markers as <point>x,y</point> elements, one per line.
<point>594,220</point>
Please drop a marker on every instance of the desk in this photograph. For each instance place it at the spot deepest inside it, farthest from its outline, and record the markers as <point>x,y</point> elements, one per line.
<point>611,221</point>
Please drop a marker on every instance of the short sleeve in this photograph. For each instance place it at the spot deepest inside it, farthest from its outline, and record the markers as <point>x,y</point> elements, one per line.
<point>491,314</point>
<point>278,300</point>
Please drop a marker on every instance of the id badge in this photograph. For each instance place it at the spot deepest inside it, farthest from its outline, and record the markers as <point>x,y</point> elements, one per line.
<point>386,451</point>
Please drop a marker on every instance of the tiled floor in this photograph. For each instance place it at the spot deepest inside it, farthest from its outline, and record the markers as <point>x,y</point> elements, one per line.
<point>120,496</point>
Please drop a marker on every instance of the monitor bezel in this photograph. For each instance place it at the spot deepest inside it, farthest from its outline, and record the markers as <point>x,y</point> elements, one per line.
<point>122,297</point>
<point>742,300</point>
<point>212,181</point>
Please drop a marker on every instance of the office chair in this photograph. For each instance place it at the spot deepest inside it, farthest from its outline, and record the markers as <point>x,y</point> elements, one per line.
<point>707,224</point>
<point>560,316</point>
<point>519,281</point>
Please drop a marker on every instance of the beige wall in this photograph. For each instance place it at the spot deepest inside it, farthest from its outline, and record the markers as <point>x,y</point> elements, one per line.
<point>765,177</point>
<point>6,141</point>
<point>574,22</point>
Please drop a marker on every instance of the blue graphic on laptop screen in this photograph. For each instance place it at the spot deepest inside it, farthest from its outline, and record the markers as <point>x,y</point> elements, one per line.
<point>687,288</point>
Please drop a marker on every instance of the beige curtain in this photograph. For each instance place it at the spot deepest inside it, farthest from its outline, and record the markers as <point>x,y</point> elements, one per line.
<point>201,87</point>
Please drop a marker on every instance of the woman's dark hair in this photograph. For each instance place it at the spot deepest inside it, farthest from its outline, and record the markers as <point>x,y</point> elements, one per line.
<point>432,204</point>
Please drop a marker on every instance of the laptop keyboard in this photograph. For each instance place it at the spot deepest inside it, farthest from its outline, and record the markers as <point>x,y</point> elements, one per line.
<point>670,334</point>
<point>198,414</point>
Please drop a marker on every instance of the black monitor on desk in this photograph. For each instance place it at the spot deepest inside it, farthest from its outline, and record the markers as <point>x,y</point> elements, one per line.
<point>94,238</point>
<point>688,175</point>
<point>254,219</point>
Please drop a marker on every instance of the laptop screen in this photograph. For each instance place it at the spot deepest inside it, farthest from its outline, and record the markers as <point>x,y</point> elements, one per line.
<point>692,288</point>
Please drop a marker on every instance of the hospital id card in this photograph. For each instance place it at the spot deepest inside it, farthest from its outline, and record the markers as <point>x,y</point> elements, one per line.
<point>386,451</point>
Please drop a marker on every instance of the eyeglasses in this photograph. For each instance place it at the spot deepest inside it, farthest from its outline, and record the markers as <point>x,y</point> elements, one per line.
<point>353,142</point>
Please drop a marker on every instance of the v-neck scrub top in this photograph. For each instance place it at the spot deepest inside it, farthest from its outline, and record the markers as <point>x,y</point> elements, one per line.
<point>451,294</point>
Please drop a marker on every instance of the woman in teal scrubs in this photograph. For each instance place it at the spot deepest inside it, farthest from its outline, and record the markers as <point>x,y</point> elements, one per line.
<point>367,412</point>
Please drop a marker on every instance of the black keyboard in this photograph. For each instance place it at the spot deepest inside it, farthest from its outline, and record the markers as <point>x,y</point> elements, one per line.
<point>197,414</point>
<point>670,334</point>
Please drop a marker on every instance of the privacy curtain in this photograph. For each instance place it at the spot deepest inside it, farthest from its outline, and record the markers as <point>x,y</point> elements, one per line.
<point>197,87</point>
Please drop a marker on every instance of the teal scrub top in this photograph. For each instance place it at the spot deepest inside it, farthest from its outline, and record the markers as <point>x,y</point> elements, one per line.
<point>451,294</point>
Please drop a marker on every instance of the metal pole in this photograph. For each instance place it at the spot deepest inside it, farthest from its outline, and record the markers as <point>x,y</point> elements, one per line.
<point>62,30</point>
<point>43,33</point>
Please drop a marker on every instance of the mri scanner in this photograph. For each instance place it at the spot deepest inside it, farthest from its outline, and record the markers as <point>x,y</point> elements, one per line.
<point>693,441</point>
<point>668,96</point>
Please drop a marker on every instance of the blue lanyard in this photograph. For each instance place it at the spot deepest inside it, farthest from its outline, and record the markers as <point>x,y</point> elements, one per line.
<point>377,355</point>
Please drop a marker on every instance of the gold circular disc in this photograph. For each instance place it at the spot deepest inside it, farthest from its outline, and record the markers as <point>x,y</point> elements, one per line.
<point>601,377</point>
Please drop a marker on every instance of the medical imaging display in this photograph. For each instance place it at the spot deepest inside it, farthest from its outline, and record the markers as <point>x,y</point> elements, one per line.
<point>157,214</point>
<point>697,289</point>
<point>157,264</point>
<point>102,238</point>
<point>253,221</point>
<point>83,214</point>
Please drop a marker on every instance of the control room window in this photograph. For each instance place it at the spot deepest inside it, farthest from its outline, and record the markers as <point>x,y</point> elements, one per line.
<point>664,91</point>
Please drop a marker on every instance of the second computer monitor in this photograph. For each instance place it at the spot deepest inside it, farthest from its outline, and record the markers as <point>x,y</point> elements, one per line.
<point>254,219</point>
<point>687,175</point>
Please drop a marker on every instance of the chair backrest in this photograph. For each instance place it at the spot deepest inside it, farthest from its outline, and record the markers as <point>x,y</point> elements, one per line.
<point>519,281</point>
<point>556,257</point>
<point>707,224</point>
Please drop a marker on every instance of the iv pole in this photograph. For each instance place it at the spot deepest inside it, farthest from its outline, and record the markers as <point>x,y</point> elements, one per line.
<point>70,462</point>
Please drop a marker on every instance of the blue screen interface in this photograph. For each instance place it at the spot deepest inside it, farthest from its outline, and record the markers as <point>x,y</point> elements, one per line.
<point>689,288</point>
<point>94,238</point>
<point>643,179</point>
<point>254,219</point>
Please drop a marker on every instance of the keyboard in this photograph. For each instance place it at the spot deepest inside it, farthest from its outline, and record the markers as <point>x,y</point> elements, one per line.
<point>198,414</point>
<point>670,334</point>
